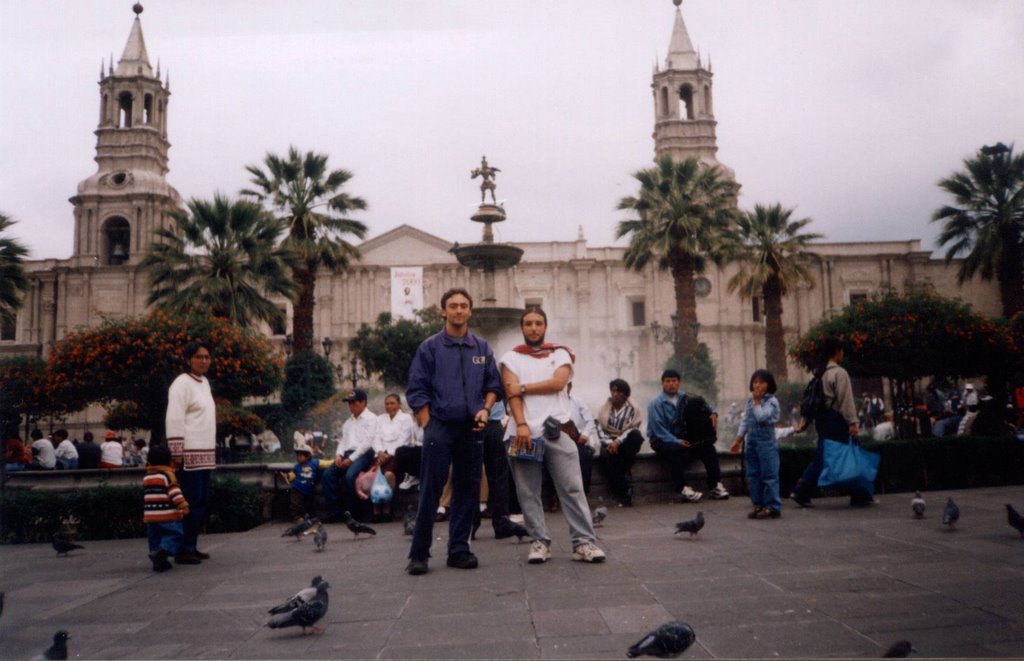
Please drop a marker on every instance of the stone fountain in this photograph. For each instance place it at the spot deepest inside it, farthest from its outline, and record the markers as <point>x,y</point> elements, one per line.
<point>488,319</point>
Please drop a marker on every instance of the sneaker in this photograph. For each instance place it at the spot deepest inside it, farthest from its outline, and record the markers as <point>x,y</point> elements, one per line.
<point>802,501</point>
<point>160,561</point>
<point>690,496</point>
<point>719,492</point>
<point>463,561</point>
<point>416,567</point>
<point>409,482</point>
<point>441,516</point>
<point>539,552</point>
<point>587,552</point>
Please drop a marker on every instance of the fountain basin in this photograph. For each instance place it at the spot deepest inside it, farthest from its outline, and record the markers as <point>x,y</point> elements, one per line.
<point>488,256</point>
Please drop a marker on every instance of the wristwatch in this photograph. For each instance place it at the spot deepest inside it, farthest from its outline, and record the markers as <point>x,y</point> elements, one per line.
<point>522,388</point>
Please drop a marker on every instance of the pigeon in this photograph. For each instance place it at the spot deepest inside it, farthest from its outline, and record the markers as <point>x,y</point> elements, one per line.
<point>320,538</point>
<point>668,640</point>
<point>693,527</point>
<point>917,505</point>
<point>409,521</point>
<point>59,649</point>
<point>951,514</point>
<point>901,649</point>
<point>300,597</point>
<point>306,614</point>
<point>63,546</point>
<point>599,515</point>
<point>299,528</point>
<point>357,527</point>
<point>1013,517</point>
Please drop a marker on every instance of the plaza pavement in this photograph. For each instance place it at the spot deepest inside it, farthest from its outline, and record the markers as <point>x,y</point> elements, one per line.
<point>825,582</point>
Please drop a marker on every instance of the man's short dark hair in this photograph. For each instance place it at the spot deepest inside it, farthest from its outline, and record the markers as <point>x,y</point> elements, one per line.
<point>671,374</point>
<point>456,291</point>
<point>621,385</point>
<point>533,309</point>
<point>35,434</point>
<point>87,437</point>
<point>830,346</point>
<point>193,347</point>
<point>159,455</point>
<point>61,434</point>
<point>767,377</point>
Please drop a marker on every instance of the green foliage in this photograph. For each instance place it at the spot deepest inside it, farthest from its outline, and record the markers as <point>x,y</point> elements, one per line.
<point>908,336</point>
<point>13,281</point>
<point>23,391</point>
<point>388,347</point>
<point>308,379</point>
<point>235,506</point>
<point>699,373</point>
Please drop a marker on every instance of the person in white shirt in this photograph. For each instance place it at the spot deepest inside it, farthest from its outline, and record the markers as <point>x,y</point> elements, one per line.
<point>43,455</point>
<point>398,444</point>
<point>66,452</point>
<point>354,455</point>
<point>885,431</point>
<point>587,443</point>
<point>111,451</point>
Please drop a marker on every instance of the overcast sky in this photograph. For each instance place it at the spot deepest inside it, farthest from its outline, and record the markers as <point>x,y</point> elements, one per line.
<point>850,111</point>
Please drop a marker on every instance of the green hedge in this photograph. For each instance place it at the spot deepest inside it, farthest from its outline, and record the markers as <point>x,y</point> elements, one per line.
<point>114,512</point>
<point>955,462</point>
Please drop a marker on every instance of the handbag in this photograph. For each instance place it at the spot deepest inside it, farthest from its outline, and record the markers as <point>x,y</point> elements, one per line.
<point>364,482</point>
<point>848,465</point>
<point>380,492</point>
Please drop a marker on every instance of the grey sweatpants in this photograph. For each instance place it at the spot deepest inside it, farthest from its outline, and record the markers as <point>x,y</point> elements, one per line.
<point>563,463</point>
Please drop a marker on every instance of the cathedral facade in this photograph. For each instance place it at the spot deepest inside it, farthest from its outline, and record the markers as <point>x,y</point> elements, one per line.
<point>617,320</point>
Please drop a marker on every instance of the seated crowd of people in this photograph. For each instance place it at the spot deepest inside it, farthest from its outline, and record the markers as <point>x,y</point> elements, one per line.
<point>58,452</point>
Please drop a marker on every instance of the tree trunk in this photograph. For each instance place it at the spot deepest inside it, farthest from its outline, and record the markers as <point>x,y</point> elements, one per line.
<point>1011,282</point>
<point>302,324</point>
<point>686,305</point>
<point>774,334</point>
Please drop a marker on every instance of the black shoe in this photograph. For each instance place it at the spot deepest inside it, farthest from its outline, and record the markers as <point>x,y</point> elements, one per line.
<point>202,556</point>
<point>160,561</point>
<point>511,529</point>
<point>187,559</point>
<point>463,561</point>
<point>416,567</point>
<point>802,501</point>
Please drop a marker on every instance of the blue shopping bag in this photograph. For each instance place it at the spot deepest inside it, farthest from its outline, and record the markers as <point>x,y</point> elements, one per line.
<point>848,465</point>
<point>380,492</point>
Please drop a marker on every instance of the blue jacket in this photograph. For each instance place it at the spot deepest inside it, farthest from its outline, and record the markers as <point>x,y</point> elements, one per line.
<point>452,375</point>
<point>661,416</point>
<point>759,421</point>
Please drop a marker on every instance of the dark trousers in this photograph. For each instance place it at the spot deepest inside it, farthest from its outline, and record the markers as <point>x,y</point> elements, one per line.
<point>830,425</point>
<point>408,461</point>
<point>195,486</point>
<point>447,444</point>
<point>301,503</point>
<point>616,466</point>
<point>496,467</point>
<point>338,486</point>
<point>678,458</point>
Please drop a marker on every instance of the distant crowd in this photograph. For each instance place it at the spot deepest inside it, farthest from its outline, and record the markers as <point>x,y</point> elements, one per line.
<point>58,452</point>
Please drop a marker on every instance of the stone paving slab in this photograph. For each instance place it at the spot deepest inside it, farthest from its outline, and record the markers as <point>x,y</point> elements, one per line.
<point>827,582</point>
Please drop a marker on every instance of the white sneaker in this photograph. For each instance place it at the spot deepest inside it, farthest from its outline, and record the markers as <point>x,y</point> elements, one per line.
<point>539,552</point>
<point>409,482</point>
<point>587,552</point>
<point>719,492</point>
<point>691,496</point>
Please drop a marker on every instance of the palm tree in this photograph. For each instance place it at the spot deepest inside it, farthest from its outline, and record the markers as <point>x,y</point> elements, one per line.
<point>12,271</point>
<point>221,258</point>
<point>308,198</point>
<point>683,209</point>
<point>772,255</point>
<point>987,223</point>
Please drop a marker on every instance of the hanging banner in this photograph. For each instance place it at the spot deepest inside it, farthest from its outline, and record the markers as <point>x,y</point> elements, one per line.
<point>406,291</point>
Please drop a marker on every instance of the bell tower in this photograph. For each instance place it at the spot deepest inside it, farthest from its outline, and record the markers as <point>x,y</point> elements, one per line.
<point>118,207</point>
<point>684,117</point>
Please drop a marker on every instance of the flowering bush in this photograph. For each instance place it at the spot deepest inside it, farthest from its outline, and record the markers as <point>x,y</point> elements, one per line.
<point>23,391</point>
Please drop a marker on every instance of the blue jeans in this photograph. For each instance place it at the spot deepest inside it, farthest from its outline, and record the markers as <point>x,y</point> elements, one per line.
<point>167,536</point>
<point>195,486</point>
<point>446,444</point>
<point>762,455</point>
<point>342,497</point>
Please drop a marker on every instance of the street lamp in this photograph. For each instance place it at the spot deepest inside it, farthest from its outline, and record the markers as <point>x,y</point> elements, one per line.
<point>288,344</point>
<point>618,363</point>
<point>327,343</point>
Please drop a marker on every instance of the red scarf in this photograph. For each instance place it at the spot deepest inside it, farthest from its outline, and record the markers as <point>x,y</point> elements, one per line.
<point>544,350</point>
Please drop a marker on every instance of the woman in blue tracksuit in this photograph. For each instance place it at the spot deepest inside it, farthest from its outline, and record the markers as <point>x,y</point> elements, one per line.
<point>762,452</point>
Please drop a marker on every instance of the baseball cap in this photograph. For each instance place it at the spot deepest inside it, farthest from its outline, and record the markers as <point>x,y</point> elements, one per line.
<point>356,395</point>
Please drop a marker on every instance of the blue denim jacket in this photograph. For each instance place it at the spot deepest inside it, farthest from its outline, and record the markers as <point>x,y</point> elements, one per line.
<point>452,375</point>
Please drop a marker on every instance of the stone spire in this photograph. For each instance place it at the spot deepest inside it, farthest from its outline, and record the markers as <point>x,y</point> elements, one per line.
<point>135,60</point>
<point>681,54</point>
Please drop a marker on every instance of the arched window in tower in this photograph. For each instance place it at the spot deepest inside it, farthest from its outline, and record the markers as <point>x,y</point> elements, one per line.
<point>686,96</point>
<point>707,101</point>
<point>663,102</point>
<point>105,111</point>
<point>117,240</point>
<point>161,121</point>
<point>124,105</point>
<point>147,109</point>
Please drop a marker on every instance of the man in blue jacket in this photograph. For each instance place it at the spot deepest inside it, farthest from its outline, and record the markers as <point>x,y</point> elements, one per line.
<point>453,383</point>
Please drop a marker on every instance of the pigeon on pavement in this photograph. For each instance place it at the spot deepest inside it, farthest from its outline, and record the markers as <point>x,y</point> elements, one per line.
<point>300,597</point>
<point>599,515</point>
<point>306,614</point>
<point>1014,518</point>
<point>63,546</point>
<point>320,537</point>
<point>669,640</point>
<point>409,521</point>
<point>901,649</point>
<point>693,527</point>
<point>357,527</point>
<point>917,505</point>
<point>59,649</point>
<point>299,528</point>
<point>951,514</point>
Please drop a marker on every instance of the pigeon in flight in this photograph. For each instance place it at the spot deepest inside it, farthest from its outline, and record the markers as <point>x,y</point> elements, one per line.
<point>63,546</point>
<point>693,527</point>
<point>299,528</point>
<point>669,640</point>
<point>300,597</point>
<point>901,649</point>
<point>1014,518</point>
<point>320,537</point>
<point>917,505</point>
<point>305,614</point>
<point>599,515</point>
<point>59,649</point>
<point>951,514</point>
<point>357,527</point>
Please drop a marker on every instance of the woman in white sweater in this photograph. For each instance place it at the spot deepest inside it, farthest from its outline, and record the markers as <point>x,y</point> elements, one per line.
<point>192,438</point>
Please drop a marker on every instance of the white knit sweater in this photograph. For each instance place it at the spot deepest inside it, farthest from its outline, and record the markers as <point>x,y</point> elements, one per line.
<point>192,422</point>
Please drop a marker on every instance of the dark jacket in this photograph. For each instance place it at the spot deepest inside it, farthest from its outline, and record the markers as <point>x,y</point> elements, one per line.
<point>89,455</point>
<point>452,375</point>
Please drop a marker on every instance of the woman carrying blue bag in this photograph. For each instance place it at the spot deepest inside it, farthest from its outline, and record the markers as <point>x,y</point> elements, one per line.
<point>836,421</point>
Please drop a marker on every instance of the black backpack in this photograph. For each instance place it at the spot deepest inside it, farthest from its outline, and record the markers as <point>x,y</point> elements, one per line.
<point>693,421</point>
<point>813,403</point>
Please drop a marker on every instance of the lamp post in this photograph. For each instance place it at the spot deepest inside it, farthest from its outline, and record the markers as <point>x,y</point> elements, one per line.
<point>288,344</point>
<point>618,363</point>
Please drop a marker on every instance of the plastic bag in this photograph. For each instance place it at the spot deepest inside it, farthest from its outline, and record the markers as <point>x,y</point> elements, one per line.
<point>380,492</point>
<point>847,465</point>
<point>364,482</point>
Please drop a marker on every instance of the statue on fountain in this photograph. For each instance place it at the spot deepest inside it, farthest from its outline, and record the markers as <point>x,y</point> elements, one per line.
<point>487,173</point>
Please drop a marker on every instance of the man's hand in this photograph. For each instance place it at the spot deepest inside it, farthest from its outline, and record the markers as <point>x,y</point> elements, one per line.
<point>423,416</point>
<point>512,388</point>
<point>480,419</point>
<point>522,441</point>
<point>582,439</point>
<point>383,456</point>
<point>685,443</point>
<point>613,447</point>
<point>736,445</point>
<point>853,429</point>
